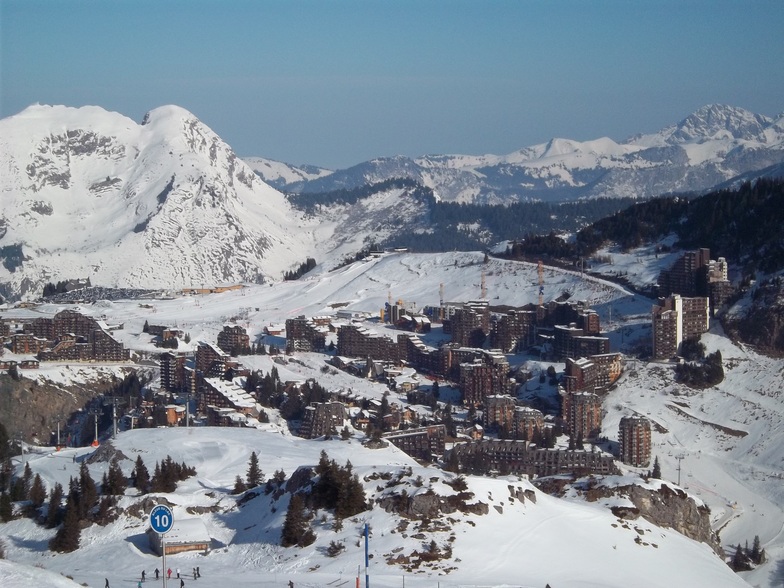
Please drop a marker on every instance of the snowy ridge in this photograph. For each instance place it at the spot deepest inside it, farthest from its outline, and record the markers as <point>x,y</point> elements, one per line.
<point>166,203</point>
<point>710,146</point>
<point>279,174</point>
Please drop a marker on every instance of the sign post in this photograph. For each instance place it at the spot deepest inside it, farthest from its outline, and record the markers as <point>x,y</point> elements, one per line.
<point>161,521</point>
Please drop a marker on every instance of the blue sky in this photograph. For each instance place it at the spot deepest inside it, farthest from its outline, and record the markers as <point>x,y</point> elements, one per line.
<point>334,83</point>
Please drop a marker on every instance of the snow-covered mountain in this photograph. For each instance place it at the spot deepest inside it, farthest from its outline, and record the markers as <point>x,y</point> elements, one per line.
<point>708,147</point>
<point>279,174</point>
<point>165,203</point>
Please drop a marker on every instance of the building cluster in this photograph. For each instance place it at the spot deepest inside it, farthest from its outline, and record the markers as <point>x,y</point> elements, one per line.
<point>676,319</point>
<point>67,336</point>
<point>695,274</point>
<point>519,457</point>
<point>501,412</point>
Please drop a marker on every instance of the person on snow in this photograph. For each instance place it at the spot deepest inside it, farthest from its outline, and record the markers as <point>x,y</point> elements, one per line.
<point>157,573</point>
<point>143,575</point>
<point>168,574</point>
<point>194,573</point>
<point>178,572</point>
<point>182,583</point>
<point>107,583</point>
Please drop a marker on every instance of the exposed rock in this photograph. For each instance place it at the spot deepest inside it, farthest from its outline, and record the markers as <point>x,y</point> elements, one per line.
<point>431,505</point>
<point>667,507</point>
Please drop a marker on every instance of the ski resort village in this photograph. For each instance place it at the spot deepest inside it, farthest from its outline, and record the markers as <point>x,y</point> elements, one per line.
<point>455,419</point>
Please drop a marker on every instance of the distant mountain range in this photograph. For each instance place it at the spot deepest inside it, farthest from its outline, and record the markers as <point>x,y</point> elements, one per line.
<point>709,147</point>
<point>88,193</point>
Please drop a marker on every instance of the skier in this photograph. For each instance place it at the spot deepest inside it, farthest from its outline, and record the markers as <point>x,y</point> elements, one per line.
<point>143,575</point>
<point>182,583</point>
<point>139,584</point>
<point>198,573</point>
<point>157,573</point>
<point>194,573</point>
<point>107,583</point>
<point>178,573</point>
<point>168,574</point>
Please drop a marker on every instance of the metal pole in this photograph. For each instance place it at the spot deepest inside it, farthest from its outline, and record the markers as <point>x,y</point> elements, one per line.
<point>367,577</point>
<point>163,555</point>
<point>58,434</point>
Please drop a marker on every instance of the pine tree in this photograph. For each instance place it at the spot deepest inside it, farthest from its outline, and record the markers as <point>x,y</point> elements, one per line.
<point>755,550</point>
<point>141,477</point>
<point>87,491</point>
<point>656,473</point>
<point>37,492</point>
<point>255,476</point>
<point>6,508</point>
<point>739,559</point>
<point>239,486</point>
<point>53,515</point>
<point>27,478</point>
<point>115,479</point>
<point>294,526</point>
<point>67,537</point>
<point>6,471</point>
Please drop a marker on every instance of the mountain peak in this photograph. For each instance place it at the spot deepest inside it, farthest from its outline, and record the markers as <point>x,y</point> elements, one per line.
<point>717,120</point>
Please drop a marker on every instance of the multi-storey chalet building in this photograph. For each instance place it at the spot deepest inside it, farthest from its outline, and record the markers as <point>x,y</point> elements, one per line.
<point>516,457</point>
<point>498,411</point>
<point>683,277</point>
<point>27,344</point>
<point>634,439</point>
<point>214,392</point>
<point>676,319</point>
<point>323,418</point>
<point>233,339</point>
<point>304,334</point>
<point>527,422</point>
<point>484,377</point>
<point>354,341</point>
<point>572,341</point>
<point>468,323</point>
<point>173,371</point>
<point>513,330</point>
<point>694,274</point>
<point>422,443</point>
<point>210,361</point>
<point>582,413</point>
<point>420,356</point>
<point>595,373</point>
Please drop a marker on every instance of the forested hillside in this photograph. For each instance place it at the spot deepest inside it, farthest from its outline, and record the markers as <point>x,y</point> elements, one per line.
<point>746,226</point>
<point>467,227</point>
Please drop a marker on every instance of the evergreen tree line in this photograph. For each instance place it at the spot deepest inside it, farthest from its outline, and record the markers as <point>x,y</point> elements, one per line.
<point>703,374</point>
<point>745,559</point>
<point>309,201</point>
<point>269,391</point>
<point>448,219</point>
<point>336,488</point>
<point>743,225</point>
<point>85,500</point>
<point>255,476</point>
<point>303,268</point>
<point>51,289</point>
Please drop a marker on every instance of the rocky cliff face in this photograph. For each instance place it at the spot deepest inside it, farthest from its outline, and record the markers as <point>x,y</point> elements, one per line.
<point>666,507</point>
